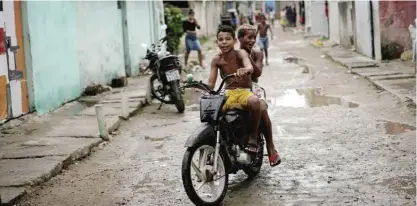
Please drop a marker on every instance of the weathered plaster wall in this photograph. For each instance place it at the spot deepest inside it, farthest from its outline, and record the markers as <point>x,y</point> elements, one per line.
<point>53,65</point>
<point>363,27</point>
<point>319,25</point>
<point>334,21</point>
<point>395,17</point>
<point>139,31</point>
<point>346,24</point>
<point>208,16</point>
<point>99,42</point>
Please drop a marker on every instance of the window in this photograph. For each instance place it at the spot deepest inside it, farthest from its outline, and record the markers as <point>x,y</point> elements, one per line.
<point>1,5</point>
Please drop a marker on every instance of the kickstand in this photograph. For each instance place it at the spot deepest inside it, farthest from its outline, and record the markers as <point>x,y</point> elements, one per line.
<point>159,108</point>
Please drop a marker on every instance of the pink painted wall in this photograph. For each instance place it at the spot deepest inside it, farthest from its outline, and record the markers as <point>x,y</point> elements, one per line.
<point>395,17</point>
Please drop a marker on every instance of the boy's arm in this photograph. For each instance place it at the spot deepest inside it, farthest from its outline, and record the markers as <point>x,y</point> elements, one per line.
<point>213,72</point>
<point>257,65</point>
<point>248,68</point>
<point>272,35</point>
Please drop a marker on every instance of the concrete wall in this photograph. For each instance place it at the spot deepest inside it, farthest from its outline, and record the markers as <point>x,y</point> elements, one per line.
<point>207,14</point>
<point>143,21</point>
<point>395,17</point>
<point>53,62</point>
<point>99,42</point>
<point>346,25</point>
<point>84,44</point>
<point>363,27</point>
<point>316,18</point>
<point>334,21</point>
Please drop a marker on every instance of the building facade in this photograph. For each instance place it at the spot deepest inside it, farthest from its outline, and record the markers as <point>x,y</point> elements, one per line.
<point>67,45</point>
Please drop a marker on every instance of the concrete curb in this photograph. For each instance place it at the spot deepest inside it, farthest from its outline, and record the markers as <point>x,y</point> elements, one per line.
<point>401,97</point>
<point>12,194</point>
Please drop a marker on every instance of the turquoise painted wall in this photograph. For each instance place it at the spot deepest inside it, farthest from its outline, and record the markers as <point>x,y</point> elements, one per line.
<point>53,65</point>
<point>71,44</point>
<point>138,15</point>
<point>99,42</point>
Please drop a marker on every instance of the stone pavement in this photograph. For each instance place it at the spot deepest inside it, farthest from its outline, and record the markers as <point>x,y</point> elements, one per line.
<point>42,147</point>
<point>396,77</point>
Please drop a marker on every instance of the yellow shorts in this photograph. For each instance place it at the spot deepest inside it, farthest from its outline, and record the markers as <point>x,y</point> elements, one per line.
<point>237,99</point>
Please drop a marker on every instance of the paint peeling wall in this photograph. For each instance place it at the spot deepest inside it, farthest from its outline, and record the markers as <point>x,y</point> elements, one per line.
<point>53,62</point>
<point>395,17</point>
<point>99,42</point>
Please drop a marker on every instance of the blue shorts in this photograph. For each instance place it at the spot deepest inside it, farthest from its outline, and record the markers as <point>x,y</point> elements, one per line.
<point>263,42</point>
<point>191,42</point>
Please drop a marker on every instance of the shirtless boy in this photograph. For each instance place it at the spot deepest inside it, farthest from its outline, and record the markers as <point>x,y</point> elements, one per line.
<point>247,37</point>
<point>238,89</point>
<point>263,41</point>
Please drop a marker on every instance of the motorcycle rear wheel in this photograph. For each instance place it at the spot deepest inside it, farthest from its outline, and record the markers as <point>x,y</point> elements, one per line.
<point>189,187</point>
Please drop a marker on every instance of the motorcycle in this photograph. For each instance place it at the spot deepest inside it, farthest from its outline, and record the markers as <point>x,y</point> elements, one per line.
<point>166,70</point>
<point>219,142</point>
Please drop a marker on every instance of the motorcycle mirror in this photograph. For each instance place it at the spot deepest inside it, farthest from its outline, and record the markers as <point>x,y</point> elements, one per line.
<point>144,45</point>
<point>164,26</point>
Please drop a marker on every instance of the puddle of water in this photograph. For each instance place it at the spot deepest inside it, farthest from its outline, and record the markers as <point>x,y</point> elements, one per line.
<point>397,128</point>
<point>192,97</point>
<point>309,98</point>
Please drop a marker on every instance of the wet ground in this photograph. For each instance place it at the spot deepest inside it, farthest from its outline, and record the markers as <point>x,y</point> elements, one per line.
<point>343,142</point>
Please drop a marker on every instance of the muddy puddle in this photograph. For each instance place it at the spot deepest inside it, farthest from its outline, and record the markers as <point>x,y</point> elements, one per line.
<point>395,128</point>
<point>309,98</point>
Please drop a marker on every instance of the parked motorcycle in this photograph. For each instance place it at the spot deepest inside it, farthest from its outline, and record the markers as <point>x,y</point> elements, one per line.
<point>219,141</point>
<point>166,70</point>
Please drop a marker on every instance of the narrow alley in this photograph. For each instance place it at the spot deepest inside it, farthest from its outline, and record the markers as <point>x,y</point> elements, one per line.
<point>343,142</point>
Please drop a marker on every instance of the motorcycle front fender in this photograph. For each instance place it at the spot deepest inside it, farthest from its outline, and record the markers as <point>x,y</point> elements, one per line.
<point>204,132</point>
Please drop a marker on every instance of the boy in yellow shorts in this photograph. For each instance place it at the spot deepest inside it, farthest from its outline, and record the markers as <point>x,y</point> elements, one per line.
<point>238,89</point>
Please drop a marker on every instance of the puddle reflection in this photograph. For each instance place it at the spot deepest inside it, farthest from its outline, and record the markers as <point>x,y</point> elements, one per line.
<point>394,128</point>
<point>309,98</point>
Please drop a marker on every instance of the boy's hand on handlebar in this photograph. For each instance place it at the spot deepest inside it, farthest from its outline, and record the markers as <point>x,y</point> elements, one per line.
<point>243,72</point>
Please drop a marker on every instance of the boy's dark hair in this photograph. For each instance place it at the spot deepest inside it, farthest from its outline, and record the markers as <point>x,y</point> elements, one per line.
<point>226,28</point>
<point>241,32</point>
<point>191,11</point>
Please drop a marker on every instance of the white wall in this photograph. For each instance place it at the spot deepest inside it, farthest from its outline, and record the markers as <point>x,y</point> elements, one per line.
<point>207,14</point>
<point>99,42</point>
<point>318,21</point>
<point>334,21</point>
<point>345,23</point>
<point>363,27</point>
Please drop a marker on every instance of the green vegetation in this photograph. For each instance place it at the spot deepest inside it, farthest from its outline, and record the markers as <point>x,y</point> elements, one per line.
<point>174,22</point>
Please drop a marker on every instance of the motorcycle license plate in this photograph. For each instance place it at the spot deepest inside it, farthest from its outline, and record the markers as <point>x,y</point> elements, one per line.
<point>172,75</point>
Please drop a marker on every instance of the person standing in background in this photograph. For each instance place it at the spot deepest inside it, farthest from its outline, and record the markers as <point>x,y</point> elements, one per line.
<point>272,18</point>
<point>191,41</point>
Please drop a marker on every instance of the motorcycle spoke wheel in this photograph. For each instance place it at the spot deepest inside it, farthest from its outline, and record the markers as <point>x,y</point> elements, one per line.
<point>211,186</point>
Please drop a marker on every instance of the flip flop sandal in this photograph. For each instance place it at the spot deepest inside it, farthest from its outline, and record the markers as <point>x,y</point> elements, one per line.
<point>251,146</point>
<point>273,160</point>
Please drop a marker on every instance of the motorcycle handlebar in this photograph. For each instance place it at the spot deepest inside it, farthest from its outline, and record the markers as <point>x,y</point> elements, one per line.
<point>201,85</point>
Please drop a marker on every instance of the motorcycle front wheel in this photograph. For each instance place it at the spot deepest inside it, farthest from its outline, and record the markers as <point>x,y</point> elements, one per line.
<point>214,185</point>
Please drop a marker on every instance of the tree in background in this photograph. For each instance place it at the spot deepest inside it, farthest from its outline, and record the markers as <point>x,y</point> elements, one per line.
<point>173,19</point>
